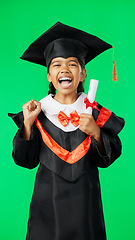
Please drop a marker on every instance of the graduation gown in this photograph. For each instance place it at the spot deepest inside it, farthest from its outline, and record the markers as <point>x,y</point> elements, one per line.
<point>66,202</point>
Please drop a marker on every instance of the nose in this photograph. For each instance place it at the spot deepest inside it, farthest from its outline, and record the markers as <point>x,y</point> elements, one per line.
<point>64,70</point>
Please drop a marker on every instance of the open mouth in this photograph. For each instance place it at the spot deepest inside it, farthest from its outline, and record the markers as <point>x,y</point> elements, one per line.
<point>65,82</point>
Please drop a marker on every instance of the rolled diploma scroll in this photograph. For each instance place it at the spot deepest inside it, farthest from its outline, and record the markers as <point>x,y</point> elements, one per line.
<point>91,94</point>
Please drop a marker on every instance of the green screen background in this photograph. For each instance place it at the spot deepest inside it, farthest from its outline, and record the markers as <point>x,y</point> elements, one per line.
<point>20,81</point>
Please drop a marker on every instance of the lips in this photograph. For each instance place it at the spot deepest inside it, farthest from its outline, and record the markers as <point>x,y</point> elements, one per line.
<point>65,82</point>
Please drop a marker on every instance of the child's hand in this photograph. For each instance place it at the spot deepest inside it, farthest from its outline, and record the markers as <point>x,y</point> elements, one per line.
<point>89,126</point>
<point>31,110</point>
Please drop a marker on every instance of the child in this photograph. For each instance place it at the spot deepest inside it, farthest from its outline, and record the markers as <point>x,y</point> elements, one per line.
<point>69,144</point>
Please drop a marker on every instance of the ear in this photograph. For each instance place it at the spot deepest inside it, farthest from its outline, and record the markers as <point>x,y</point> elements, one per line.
<point>49,77</point>
<point>83,75</point>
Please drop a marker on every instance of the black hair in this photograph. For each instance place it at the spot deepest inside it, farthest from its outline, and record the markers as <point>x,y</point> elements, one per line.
<point>80,87</point>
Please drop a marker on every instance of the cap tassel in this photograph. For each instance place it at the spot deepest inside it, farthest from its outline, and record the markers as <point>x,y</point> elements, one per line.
<point>114,69</point>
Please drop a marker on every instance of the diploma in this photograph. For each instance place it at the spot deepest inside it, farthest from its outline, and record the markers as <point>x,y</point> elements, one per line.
<point>91,94</point>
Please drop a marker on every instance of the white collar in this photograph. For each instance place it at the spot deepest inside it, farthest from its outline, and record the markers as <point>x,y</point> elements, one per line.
<point>50,106</point>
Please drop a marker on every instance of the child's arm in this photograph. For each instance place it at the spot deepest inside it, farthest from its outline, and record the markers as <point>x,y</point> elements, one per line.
<point>105,145</point>
<point>30,112</point>
<point>89,126</point>
<point>26,141</point>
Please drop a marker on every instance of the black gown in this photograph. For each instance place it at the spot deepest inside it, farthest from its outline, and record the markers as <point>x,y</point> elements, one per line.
<point>66,202</point>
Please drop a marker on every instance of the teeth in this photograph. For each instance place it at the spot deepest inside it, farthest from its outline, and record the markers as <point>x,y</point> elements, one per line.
<point>65,79</point>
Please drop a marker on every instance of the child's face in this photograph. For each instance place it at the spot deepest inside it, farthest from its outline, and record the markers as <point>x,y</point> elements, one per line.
<point>65,74</point>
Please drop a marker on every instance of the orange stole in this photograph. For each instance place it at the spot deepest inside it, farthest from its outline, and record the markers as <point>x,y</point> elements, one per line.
<point>78,152</point>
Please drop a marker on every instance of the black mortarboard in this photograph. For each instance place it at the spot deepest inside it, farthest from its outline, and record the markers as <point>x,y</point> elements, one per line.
<point>64,41</point>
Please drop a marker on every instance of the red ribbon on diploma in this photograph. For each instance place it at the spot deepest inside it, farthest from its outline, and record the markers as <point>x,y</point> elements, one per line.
<point>89,104</point>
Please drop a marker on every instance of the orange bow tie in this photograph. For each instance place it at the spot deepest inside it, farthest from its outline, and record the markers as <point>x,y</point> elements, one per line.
<point>64,119</point>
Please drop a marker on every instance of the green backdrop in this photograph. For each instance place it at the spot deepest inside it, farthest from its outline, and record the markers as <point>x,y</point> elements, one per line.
<point>21,23</point>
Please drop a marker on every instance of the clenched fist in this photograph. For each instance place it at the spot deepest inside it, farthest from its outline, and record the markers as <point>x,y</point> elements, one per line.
<point>31,110</point>
<point>89,126</point>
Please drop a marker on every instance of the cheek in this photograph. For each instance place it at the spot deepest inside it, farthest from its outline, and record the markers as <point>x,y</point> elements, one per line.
<point>53,76</point>
<point>53,71</point>
<point>77,73</point>
<point>78,78</point>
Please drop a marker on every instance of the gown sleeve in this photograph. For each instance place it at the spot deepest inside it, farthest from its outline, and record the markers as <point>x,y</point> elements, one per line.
<point>112,147</point>
<point>25,152</point>
<point>111,141</point>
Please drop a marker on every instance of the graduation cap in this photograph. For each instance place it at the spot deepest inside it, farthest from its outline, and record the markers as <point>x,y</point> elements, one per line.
<point>64,41</point>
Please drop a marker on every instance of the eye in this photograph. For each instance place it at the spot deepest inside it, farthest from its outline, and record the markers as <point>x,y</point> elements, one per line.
<point>56,65</point>
<point>73,64</point>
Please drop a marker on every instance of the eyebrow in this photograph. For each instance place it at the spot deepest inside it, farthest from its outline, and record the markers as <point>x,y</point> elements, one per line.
<point>73,61</point>
<point>61,60</point>
<point>56,61</point>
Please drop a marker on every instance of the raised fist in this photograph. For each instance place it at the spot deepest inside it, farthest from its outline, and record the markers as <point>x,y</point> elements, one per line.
<point>31,110</point>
